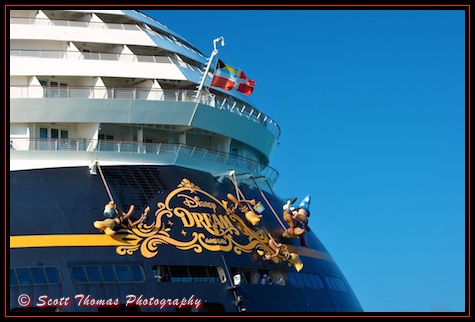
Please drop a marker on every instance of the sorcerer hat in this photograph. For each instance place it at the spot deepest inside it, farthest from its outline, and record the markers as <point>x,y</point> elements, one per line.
<point>305,204</point>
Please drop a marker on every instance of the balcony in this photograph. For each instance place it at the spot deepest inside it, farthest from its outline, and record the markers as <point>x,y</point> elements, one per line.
<point>134,151</point>
<point>133,93</point>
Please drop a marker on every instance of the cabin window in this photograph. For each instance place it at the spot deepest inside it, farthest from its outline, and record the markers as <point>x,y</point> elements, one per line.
<point>297,279</point>
<point>179,274</point>
<point>39,276</point>
<point>106,136</point>
<point>213,274</point>
<point>43,133</point>
<point>306,280</point>
<point>277,278</point>
<point>56,89</point>
<point>293,280</point>
<point>24,276</point>
<point>336,284</point>
<point>34,275</point>
<point>53,275</point>
<point>200,274</point>
<point>79,274</point>
<point>107,274</point>
<point>136,273</point>
<point>186,274</point>
<point>123,273</point>
<point>244,275</point>
<point>54,133</point>
<point>13,279</point>
<point>316,281</point>
<point>93,274</point>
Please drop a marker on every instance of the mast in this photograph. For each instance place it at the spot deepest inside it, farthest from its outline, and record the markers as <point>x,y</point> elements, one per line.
<point>205,74</point>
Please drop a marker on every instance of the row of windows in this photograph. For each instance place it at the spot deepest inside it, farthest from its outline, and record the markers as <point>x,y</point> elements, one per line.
<point>107,274</point>
<point>79,274</point>
<point>53,133</point>
<point>306,280</point>
<point>177,274</point>
<point>34,275</point>
<point>194,274</point>
<point>336,284</point>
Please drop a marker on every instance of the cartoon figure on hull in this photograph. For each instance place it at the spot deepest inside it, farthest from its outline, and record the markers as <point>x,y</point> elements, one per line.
<point>250,215</point>
<point>297,218</point>
<point>109,224</point>
<point>281,251</point>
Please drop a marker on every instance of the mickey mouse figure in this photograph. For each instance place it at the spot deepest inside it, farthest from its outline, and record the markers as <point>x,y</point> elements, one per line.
<point>297,218</point>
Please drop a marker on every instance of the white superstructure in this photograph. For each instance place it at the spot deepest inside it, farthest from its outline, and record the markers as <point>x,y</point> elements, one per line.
<point>121,88</point>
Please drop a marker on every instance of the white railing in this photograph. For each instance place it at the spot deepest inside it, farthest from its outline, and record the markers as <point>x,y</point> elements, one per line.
<point>71,23</point>
<point>135,147</point>
<point>98,25</point>
<point>134,93</point>
<point>77,55</point>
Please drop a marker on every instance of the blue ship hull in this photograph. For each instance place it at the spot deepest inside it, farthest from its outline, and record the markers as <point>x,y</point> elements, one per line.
<point>60,262</point>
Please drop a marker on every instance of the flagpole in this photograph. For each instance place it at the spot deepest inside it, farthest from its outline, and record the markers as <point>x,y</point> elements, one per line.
<point>198,96</point>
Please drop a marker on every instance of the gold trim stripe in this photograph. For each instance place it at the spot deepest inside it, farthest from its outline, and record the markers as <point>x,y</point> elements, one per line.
<point>65,240</point>
<point>69,240</point>
<point>308,252</point>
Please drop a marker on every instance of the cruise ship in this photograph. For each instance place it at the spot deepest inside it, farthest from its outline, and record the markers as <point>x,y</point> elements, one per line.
<point>137,183</point>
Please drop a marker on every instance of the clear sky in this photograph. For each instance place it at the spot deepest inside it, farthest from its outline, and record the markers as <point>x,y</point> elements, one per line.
<point>371,105</point>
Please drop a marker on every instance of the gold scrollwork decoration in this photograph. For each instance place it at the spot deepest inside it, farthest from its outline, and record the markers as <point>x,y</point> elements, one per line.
<point>219,226</point>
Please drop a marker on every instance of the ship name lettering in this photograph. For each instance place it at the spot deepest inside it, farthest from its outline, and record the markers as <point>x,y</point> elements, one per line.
<point>203,220</point>
<point>195,202</point>
<point>216,241</point>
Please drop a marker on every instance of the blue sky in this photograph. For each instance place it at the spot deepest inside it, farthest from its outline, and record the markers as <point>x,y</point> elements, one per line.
<point>371,105</point>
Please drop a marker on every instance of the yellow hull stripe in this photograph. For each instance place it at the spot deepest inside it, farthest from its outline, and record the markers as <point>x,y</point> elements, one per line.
<point>31,241</point>
<point>65,240</point>
<point>308,252</point>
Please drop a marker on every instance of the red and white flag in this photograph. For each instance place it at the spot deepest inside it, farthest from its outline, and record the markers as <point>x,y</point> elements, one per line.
<point>228,78</point>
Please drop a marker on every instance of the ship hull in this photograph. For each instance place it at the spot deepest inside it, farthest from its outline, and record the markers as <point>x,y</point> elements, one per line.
<point>52,216</point>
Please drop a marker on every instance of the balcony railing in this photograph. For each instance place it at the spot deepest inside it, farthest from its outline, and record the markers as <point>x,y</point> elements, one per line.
<point>99,25</point>
<point>133,93</point>
<point>134,147</point>
<point>100,56</point>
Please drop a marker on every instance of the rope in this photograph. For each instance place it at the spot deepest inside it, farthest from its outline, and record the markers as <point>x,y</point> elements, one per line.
<point>268,203</point>
<point>273,193</point>
<point>104,181</point>
<point>240,196</point>
<point>303,239</point>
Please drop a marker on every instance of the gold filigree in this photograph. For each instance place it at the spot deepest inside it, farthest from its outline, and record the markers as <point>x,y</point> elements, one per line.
<point>187,183</point>
<point>220,229</point>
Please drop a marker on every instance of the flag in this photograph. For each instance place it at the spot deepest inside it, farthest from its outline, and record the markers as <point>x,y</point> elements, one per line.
<point>246,86</point>
<point>225,76</point>
<point>228,78</point>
